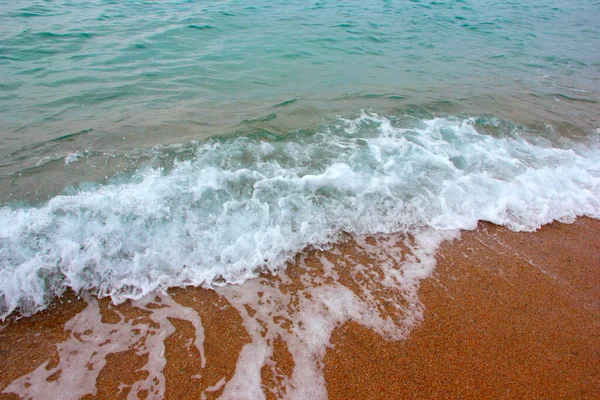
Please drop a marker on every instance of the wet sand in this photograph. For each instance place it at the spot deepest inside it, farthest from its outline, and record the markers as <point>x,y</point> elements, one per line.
<point>507,315</point>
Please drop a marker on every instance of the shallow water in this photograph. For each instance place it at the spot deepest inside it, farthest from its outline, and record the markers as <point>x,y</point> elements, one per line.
<point>374,284</point>
<point>145,145</point>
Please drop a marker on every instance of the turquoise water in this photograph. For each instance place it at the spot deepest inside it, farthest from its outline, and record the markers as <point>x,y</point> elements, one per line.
<point>72,66</point>
<point>240,132</point>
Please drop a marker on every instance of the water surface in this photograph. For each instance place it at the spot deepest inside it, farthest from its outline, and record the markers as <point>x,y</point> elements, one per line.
<point>148,144</point>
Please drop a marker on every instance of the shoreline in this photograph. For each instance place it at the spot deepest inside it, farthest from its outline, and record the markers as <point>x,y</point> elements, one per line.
<point>496,325</point>
<point>504,314</point>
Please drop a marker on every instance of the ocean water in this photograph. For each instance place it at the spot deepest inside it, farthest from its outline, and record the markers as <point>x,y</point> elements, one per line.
<point>151,144</point>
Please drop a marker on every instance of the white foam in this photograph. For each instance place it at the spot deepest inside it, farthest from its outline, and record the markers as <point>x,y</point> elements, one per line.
<point>301,310</point>
<point>72,157</point>
<point>243,203</point>
<point>305,320</point>
<point>83,355</point>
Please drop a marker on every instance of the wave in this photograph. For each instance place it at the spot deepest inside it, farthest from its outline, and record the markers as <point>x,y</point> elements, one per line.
<point>240,205</point>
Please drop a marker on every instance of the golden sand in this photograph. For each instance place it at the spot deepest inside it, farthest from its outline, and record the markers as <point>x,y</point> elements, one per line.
<point>507,315</point>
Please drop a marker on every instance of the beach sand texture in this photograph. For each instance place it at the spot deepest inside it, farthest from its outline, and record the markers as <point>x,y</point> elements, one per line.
<point>504,315</point>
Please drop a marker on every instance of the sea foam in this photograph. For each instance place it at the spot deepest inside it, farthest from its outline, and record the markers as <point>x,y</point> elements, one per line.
<point>242,204</point>
<point>375,284</point>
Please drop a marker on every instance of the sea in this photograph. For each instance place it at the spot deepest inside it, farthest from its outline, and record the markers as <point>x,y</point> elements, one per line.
<point>301,161</point>
<point>146,145</point>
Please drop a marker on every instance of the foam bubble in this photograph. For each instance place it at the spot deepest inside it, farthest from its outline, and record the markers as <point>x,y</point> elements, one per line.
<point>247,203</point>
<point>304,313</point>
<point>72,157</point>
<point>83,355</point>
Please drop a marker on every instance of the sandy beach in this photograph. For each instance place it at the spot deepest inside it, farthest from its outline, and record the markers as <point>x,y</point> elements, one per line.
<point>250,200</point>
<point>504,315</point>
<point>508,315</point>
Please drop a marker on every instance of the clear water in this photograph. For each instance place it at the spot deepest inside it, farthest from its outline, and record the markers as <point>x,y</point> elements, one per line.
<point>73,66</point>
<point>240,132</point>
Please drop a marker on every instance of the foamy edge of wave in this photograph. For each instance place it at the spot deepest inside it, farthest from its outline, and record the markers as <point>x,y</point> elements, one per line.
<point>245,204</point>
